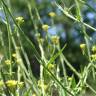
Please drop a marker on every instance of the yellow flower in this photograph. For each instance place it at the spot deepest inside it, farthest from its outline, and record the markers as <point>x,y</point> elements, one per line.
<point>8,62</point>
<point>93,56</point>
<point>94,49</point>
<point>14,55</point>
<point>55,39</point>
<point>33,94</point>
<point>45,27</point>
<point>52,14</point>
<point>11,83</point>
<point>19,60</point>
<point>14,83</point>
<point>20,20</point>
<point>69,78</point>
<point>82,46</point>
<point>51,66</point>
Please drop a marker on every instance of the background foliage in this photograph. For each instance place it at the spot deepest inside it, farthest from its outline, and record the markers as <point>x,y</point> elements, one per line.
<point>35,14</point>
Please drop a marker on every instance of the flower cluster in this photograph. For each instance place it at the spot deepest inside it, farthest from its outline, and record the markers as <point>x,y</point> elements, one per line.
<point>14,83</point>
<point>55,39</point>
<point>8,62</point>
<point>19,20</point>
<point>11,83</point>
<point>93,56</point>
<point>94,48</point>
<point>51,66</point>
<point>42,85</point>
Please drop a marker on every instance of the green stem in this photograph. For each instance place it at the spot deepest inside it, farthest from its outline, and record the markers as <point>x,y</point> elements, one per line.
<point>42,69</point>
<point>32,18</point>
<point>73,18</point>
<point>63,66</point>
<point>9,40</point>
